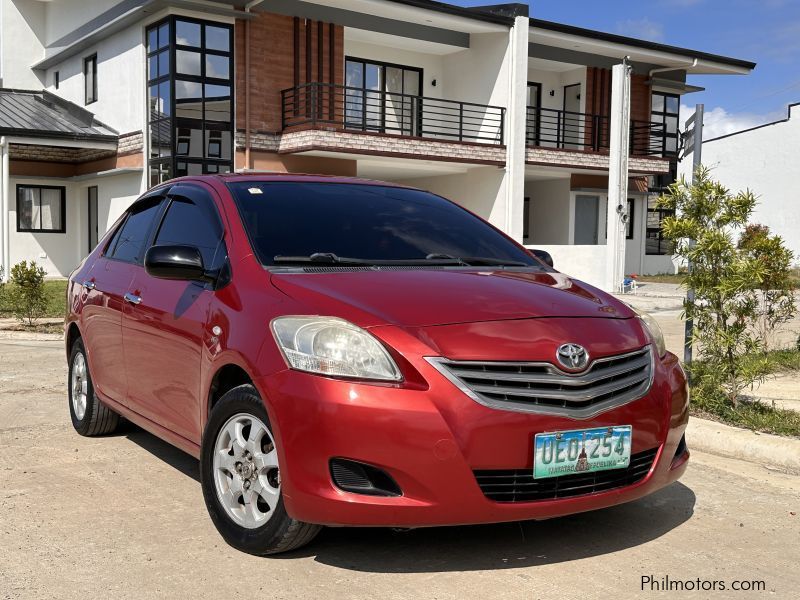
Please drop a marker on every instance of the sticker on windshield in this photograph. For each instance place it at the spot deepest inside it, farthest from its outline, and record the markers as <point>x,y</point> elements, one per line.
<point>255,190</point>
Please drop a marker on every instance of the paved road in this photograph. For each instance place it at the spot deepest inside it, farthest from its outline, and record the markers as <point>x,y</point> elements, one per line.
<point>123,517</point>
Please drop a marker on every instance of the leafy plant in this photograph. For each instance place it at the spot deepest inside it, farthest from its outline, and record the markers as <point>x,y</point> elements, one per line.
<point>26,294</point>
<point>731,282</point>
<point>776,290</point>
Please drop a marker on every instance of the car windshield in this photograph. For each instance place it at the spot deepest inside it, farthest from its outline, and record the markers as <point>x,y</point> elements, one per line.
<point>358,224</point>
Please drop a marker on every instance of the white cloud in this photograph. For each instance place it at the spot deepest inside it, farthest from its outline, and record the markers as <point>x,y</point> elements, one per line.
<point>718,121</point>
<point>643,28</point>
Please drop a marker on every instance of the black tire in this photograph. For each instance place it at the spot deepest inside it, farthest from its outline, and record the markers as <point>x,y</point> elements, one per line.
<point>98,419</point>
<point>280,533</point>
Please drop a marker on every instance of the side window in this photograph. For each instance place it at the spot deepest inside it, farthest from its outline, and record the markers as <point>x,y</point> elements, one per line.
<point>192,220</point>
<point>129,242</point>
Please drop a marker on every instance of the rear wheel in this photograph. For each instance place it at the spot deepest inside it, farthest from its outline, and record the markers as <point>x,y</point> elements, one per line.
<point>241,480</point>
<point>89,416</point>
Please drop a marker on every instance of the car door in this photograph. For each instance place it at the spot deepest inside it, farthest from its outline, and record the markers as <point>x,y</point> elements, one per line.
<point>108,281</point>
<point>165,329</point>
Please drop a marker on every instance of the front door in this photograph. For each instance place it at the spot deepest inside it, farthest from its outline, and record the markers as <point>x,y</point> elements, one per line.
<point>586,219</point>
<point>165,330</point>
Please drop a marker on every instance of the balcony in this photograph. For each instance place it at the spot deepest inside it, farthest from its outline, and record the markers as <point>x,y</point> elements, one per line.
<point>566,130</point>
<point>351,109</point>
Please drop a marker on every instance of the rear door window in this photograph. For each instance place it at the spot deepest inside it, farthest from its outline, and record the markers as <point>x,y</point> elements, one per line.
<point>128,244</point>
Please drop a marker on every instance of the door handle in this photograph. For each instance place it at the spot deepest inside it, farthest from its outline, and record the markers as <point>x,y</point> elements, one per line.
<point>89,285</point>
<point>133,298</point>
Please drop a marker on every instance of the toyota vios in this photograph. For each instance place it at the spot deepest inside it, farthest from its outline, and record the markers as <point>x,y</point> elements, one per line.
<point>344,352</point>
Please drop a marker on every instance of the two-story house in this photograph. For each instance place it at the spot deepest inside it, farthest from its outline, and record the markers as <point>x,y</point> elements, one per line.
<point>503,113</point>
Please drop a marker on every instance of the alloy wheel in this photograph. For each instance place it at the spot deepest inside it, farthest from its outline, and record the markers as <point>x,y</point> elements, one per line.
<point>80,386</point>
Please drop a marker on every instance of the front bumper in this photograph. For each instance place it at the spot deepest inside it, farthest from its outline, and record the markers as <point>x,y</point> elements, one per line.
<point>430,438</point>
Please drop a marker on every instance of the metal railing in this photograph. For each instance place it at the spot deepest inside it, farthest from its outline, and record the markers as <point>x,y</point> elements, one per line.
<point>563,129</point>
<point>356,109</point>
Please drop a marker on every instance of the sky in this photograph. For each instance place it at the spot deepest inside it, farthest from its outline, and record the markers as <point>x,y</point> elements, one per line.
<point>763,31</point>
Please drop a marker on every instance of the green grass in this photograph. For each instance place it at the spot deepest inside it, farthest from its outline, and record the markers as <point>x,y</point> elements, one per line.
<point>751,413</point>
<point>56,292</point>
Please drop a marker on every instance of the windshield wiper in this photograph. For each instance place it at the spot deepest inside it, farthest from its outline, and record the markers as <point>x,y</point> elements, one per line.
<point>329,258</point>
<point>479,260</point>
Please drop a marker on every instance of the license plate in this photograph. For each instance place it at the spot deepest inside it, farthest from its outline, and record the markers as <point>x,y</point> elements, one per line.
<point>581,451</point>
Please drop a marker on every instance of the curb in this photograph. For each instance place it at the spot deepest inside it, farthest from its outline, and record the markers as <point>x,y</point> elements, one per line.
<point>772,451</point>
<point>30,336</point>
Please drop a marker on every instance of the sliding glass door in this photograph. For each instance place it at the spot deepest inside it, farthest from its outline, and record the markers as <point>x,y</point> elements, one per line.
<point>382,97</point>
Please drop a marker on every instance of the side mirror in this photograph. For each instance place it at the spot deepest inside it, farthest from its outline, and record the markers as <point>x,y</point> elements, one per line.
<point>543,256</point>
<point>182,263</point>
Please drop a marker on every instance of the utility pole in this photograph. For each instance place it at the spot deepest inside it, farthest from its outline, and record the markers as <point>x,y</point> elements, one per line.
<point>696,147</point>
<point>618,174</point>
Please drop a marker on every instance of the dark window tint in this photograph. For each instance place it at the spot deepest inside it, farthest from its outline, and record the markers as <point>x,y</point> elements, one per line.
<point>365,222</point>
<point>192,222</point>
<point>128,244</point>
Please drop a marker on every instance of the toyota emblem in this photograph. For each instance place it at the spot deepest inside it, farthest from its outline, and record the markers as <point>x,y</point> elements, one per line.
<point>573,357</point>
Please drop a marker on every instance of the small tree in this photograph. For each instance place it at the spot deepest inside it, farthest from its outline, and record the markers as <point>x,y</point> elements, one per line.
<point>776,290</point>
<point>26,293</point>
<point>726,279</point>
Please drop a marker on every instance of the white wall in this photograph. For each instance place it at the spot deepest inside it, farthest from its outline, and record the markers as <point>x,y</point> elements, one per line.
<point>59,253</point>
<point>764,160</point>
<point>22,42</point>
<point>555,81</point>
<point>550,208</point>
<point>587,263</point>
<point>121,99</point>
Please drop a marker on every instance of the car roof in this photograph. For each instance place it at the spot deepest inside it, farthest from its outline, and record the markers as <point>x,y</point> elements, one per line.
<point>269,176</point>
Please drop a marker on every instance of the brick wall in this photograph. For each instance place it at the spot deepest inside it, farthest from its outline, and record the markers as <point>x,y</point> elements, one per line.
<point>284,52</point>
<point>598,94</point>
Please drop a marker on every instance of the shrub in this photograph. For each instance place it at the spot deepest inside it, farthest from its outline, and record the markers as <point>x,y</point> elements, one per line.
<point>730,282</point>
<point>26,294</point>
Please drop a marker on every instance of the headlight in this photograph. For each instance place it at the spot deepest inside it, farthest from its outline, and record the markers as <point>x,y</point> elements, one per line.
<point>653,329</point>
<point>331,346</point>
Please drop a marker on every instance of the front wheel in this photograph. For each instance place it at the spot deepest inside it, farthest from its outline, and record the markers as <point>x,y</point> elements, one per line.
<point>241,480</point>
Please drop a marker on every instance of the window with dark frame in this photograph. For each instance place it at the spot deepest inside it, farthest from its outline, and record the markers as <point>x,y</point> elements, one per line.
<point>533,121</point>
<point>41,209</point>
<point>190,90</point>
<point>526,218</point>
<point>655,242</point>
<point>665,111</point>
<point>383,96</point>
<point>631,218</point>
<point>56,79</point>
<point>90,79</point>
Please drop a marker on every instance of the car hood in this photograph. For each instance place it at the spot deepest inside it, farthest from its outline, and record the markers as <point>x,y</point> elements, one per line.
<point>427,297</point>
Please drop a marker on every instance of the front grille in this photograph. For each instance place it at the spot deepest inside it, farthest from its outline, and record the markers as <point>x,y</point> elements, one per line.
<point>543,388</point>
<point>520,486</point>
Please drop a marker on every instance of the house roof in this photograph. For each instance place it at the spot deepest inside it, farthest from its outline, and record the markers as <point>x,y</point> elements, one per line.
<point>637,43</point>
<point>40,114</point>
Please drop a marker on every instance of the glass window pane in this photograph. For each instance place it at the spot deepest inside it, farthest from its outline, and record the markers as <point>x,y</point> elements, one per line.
<point>163,36</point>
<point>217,66</point>
<point>218,38</point>
<point>218,144</point>
<point>163,63</point>
<point>51,209</point>
<point>192,224</point>
<point>159,173</point>
<point>673,105</point>
<point>218,103</point>
<point>372,77</point>
<point>160,141</point>
<point>152,39</point>
<point>658,103</point>
<point>411,83</point>
<point>152,67</point>
<point>188,99</point>
<point>354,76</point>
<point>187,62</point>
<point>189,141</point>
<point>28,199</point>
<point>130,247</point>
<point>187,34</point>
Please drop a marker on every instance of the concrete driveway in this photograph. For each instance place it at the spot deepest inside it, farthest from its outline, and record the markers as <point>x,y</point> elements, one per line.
<point>123,517</point>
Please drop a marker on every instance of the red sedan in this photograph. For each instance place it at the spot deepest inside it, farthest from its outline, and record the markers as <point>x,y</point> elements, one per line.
<point>343,352</point>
